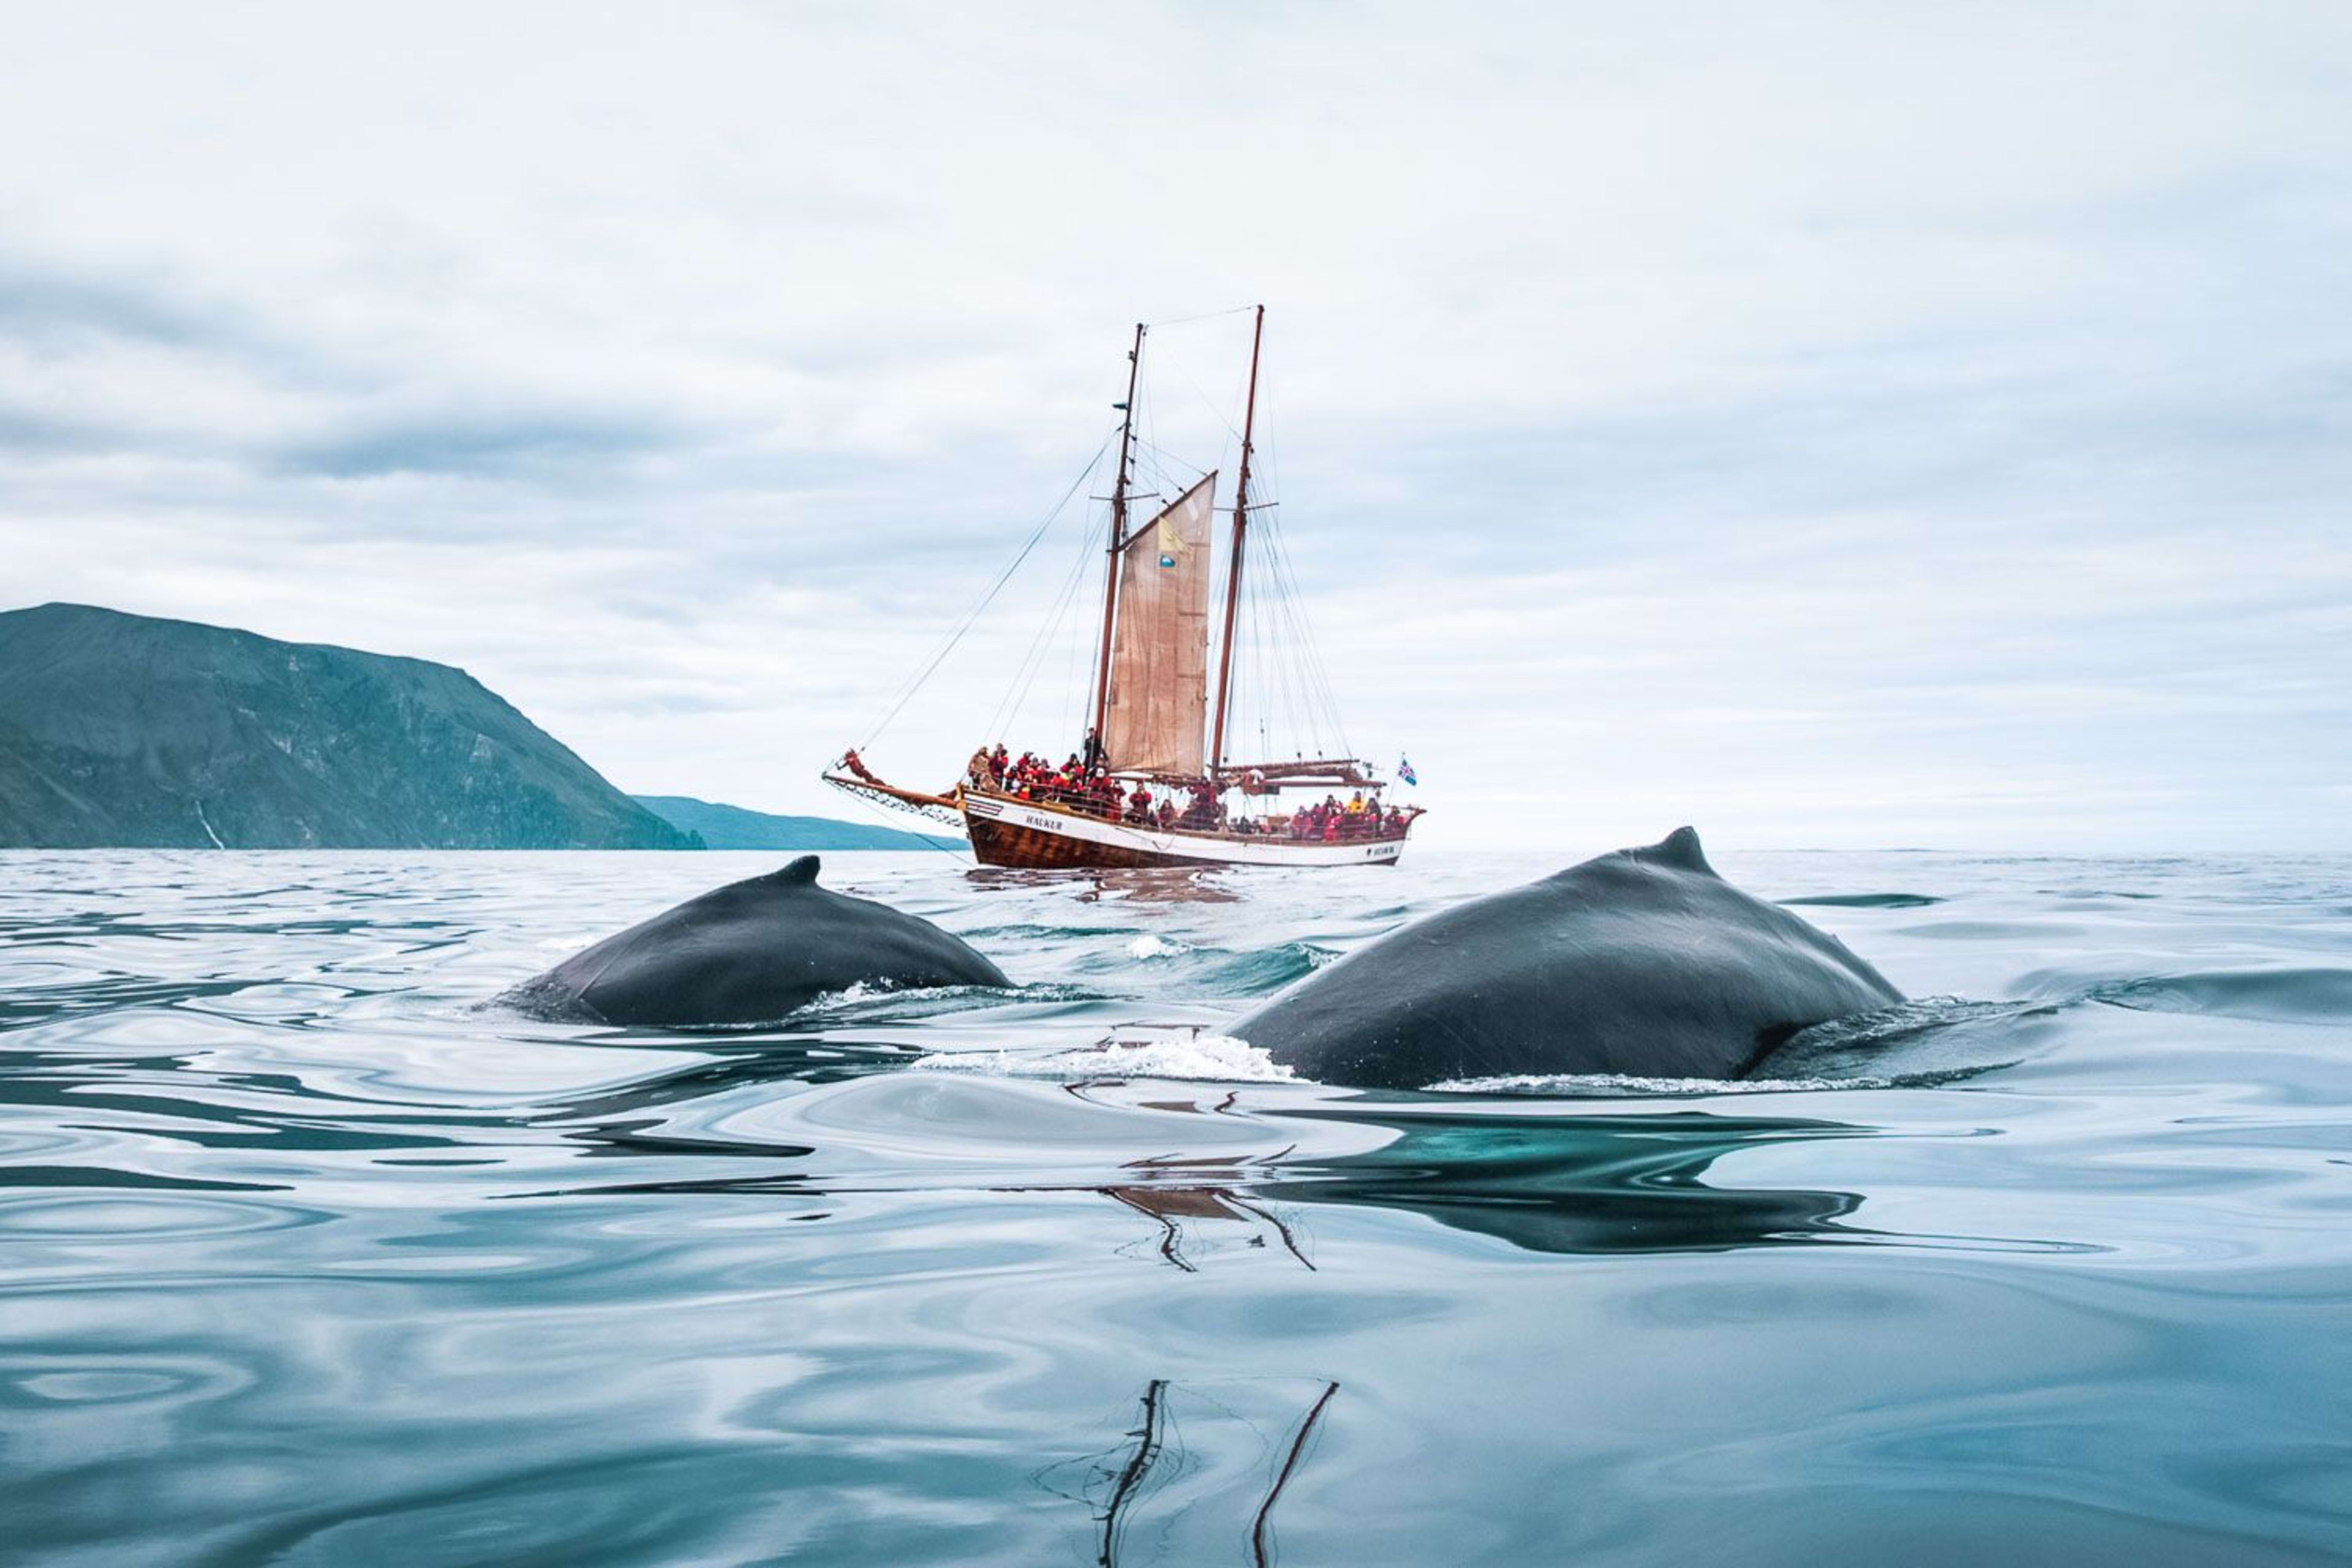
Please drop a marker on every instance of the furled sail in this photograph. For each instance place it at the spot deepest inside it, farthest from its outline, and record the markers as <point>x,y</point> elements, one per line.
<point>1160,653</point>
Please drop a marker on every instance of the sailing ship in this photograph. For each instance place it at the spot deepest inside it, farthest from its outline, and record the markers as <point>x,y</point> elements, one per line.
<point>1153,781</point>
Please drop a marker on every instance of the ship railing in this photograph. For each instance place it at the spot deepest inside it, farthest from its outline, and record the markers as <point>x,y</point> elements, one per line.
<point>1058,801</point>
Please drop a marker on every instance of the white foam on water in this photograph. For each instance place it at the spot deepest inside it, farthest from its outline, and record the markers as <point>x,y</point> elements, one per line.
<point>1623,1086</point>
<point>1151,946</point>
<point>1213,1058</point>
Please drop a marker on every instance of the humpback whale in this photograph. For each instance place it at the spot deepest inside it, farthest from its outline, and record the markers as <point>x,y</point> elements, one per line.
<point>751,952</point>
<point>1643,962</point>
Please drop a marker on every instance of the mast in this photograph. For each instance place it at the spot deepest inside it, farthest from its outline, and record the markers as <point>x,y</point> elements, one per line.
<point>1233,570</point>
<point>1118,540</point>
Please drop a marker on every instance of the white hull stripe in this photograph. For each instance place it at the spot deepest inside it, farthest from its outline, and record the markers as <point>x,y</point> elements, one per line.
<point>1269,851</point>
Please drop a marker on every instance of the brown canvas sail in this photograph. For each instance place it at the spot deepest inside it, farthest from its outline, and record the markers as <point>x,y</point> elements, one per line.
<point>1160,654</point>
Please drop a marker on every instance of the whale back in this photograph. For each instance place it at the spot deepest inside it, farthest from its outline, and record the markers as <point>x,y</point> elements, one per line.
<point>752,952</point>
<point>1644,961</point>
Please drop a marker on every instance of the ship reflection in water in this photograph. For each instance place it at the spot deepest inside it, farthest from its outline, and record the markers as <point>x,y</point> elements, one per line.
<point>1545,1184</point>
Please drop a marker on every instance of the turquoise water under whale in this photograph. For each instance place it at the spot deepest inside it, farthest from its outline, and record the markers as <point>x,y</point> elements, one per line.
<point>306,1257</point>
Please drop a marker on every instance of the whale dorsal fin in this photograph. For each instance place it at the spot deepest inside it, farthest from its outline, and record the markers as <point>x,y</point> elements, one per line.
<point>1680,850</point>
<point>802,871</point>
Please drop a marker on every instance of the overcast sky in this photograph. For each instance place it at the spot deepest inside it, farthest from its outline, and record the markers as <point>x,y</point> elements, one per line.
<point>1838,424</point>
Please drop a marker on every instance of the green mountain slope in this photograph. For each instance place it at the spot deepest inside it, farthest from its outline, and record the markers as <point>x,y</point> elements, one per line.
<point>733,827</point>
<point>121,730</point>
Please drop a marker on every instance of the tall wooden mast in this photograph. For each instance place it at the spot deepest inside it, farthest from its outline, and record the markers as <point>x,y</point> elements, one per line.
<point>1118,540</point>
<point>1234,568</point>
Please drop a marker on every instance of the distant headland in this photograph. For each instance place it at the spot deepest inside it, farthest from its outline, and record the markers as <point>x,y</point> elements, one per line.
<point>128,732</point>
<point>735,827</point>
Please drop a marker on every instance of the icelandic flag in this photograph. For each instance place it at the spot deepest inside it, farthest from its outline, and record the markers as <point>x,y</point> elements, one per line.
<point>1404,771</point>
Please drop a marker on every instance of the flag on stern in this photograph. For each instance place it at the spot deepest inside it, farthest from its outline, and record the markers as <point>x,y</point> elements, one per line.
<point>1404,771</point>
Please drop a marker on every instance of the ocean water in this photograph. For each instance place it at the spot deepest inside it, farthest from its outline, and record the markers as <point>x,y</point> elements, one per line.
<point>308,1257</point>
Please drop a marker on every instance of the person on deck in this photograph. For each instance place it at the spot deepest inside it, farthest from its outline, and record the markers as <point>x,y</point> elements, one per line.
<point>1139,806</point>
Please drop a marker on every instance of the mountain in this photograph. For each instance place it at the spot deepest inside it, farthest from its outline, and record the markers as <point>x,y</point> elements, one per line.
<point>120,730</point>
<point>733,827</point>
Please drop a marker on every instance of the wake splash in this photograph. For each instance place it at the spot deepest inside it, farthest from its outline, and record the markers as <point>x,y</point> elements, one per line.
<point>872,1002</point>
<point>1627,1086</point>
<point>1912,1044</point>
<point>1917,1044</point>
<point>1212,1059</point>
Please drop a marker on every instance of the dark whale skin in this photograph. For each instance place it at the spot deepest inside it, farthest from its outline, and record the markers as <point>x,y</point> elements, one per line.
<point>751,952</point>
<point>1641,962</point>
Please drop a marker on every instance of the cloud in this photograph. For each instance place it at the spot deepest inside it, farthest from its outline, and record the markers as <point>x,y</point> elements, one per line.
<point>31,432</point>
<point>52,309</point>
<point>1846,426</point>
<point>551,446</point>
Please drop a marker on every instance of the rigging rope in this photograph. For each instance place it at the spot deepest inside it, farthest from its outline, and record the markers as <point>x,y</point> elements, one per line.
<point>907,692</point>
<point>1032,662</point>
<point>1203,316</point>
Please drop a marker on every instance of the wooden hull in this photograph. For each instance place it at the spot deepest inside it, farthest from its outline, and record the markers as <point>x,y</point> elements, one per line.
<point>1013,833</point>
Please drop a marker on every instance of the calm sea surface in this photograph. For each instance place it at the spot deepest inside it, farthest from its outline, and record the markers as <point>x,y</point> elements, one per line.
<point>306,1257</point>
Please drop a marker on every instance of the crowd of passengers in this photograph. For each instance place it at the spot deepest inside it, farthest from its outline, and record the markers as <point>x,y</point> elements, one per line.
<point>1077,785</point>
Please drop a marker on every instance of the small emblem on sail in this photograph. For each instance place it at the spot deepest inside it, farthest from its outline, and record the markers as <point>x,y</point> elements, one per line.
<point>1173,542</point>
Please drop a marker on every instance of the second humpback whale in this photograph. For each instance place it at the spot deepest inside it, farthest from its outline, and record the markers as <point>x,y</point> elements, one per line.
<point>1643,962</point>
<point>751,952</point>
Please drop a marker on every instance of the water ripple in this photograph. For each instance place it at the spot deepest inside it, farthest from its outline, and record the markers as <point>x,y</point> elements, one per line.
<point>307,1256</point>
